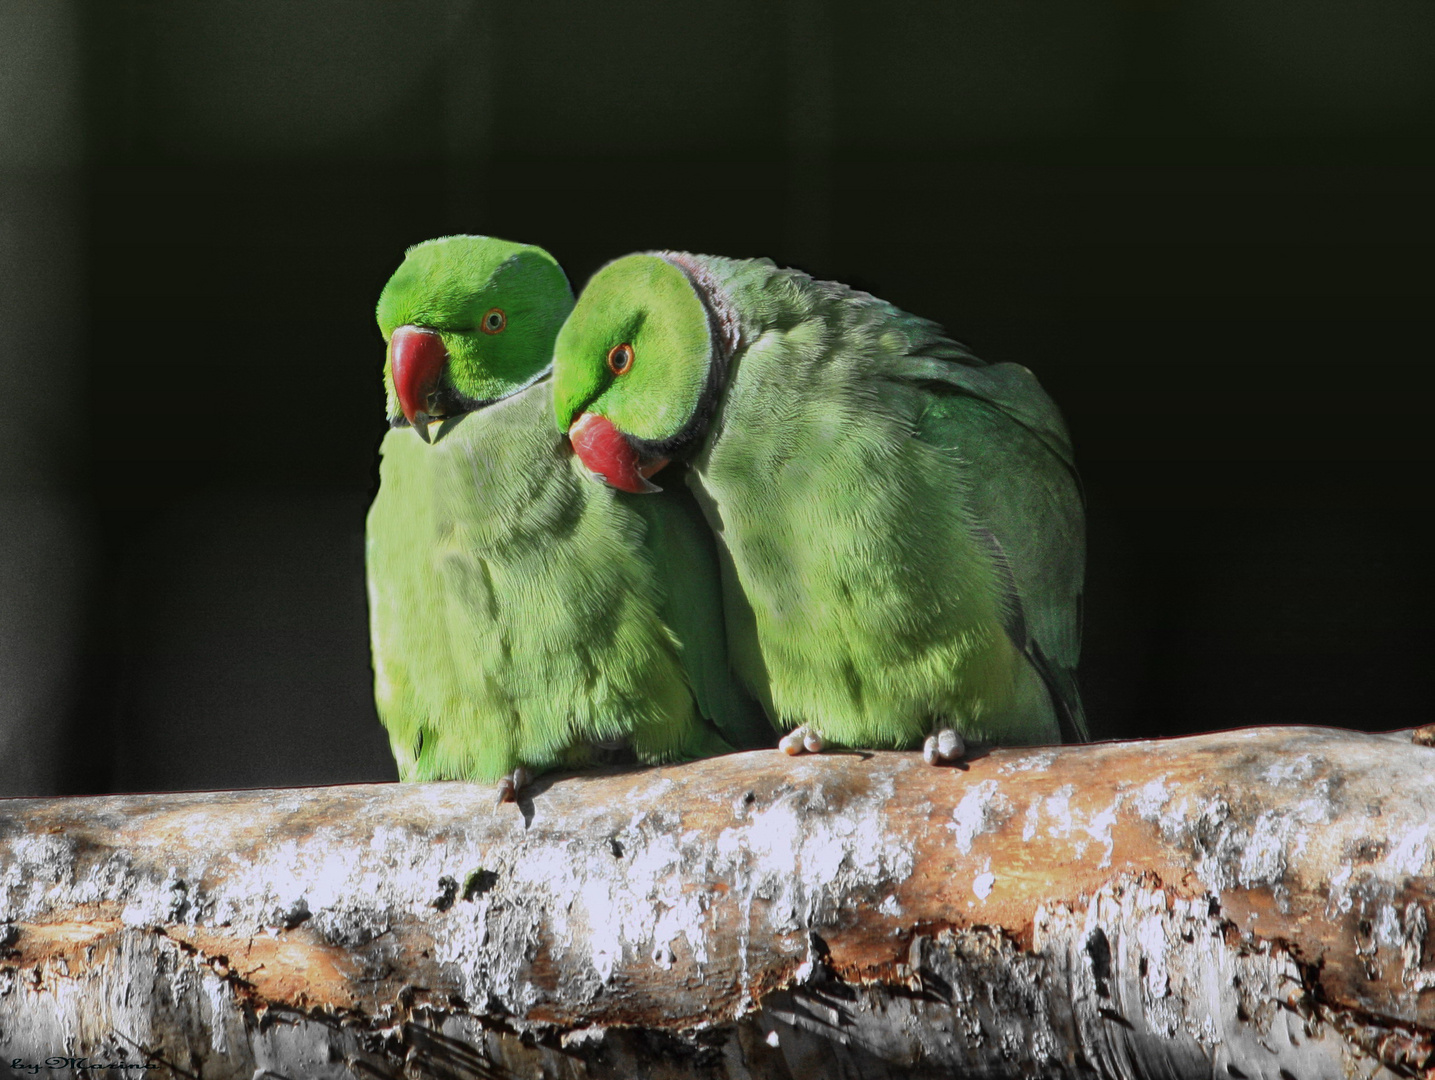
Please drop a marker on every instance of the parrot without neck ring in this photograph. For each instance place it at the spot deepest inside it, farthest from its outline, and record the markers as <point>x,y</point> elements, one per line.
<point>521,615</point>
<point>900,523</point>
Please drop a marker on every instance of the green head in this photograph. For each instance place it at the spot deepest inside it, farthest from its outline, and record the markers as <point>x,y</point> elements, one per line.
<point>638,366</point>
<point>468,320</point>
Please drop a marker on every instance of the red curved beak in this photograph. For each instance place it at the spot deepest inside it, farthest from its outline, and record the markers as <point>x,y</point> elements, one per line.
<point>418,357</point>
<point>607,452</point>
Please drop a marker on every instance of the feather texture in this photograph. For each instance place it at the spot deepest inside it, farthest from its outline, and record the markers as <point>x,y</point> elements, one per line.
<point>516,607</point>
<point>521,614</point>
<point>899,523</point>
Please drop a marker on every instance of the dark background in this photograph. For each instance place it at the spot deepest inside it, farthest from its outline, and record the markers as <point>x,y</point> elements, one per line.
<point>1207,229</point>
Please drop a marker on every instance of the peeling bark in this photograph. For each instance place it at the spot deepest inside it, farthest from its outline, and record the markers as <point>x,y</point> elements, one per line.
<point>1252,903</point>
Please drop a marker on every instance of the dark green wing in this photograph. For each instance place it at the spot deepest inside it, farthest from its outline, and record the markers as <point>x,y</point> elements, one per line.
<point>1025,492</point>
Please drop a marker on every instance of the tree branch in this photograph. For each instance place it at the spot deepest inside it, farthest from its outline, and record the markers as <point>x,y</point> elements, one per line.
<point>1252,904</point>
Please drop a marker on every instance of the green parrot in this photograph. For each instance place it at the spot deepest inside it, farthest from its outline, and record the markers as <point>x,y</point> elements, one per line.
<point>522,615</point>
<point>900,524</point>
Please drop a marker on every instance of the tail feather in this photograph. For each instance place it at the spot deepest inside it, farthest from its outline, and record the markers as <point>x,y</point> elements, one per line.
<point>1065,695</point>
<point>1060,681</point>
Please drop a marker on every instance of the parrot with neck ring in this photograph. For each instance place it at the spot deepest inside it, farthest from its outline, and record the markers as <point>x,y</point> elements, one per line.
<point>522,617</point>
<point>900,524</point>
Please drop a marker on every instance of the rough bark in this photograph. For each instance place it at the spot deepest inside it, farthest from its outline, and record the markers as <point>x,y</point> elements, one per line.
<point>1243,904</point>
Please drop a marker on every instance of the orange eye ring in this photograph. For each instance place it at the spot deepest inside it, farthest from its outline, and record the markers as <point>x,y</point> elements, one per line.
<point>620,358</point>
<point>493,321</point>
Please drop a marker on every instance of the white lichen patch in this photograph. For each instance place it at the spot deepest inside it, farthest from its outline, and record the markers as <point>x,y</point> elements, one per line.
<point>1414,974</point>
<point>1315,810</point>
<point>799,862</point>
<point>984,883</point>
<point>1031,821</point>
<point>1151,798</point>
<point>1166,968</point>
<point>1063,821</point>
<point>1038,761</point>
<point>1338,893</point>
<point>1057,808</point>
<point>603,925</point>
<point>217,998</point>
<point>629,897</point>
<point>982,809</point>
<point>1264,860</point>
<point>1389,928</point>
<point>1151,936</point>
<point>157,905</point>
<point>1410,851</point>
<point>319,878</point>
<point>1099,826</point>
<point>1297,770</point>
<point>40,867</point>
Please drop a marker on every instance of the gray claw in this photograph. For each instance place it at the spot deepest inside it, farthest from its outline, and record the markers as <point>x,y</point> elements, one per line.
<point>801,740</point>
<point>511,785</point>
<point>943,747</point>
<point>929,750</point>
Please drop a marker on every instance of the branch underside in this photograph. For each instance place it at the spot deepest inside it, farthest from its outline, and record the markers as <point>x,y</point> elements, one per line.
<point>1252,904</point>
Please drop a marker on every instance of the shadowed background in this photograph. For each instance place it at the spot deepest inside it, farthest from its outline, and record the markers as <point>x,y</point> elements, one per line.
<point>1209,232</point>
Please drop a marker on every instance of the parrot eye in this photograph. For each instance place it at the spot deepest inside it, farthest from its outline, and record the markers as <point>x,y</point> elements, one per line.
<point>494,321</point>
<point>620,358</point>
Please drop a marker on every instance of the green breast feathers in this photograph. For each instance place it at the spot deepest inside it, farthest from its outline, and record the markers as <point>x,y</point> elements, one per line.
<point>899,524</point>
<point>521,615</point>
<point>819,513</point>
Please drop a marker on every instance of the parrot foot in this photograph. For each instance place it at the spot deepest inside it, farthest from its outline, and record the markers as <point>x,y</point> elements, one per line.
<point>510,785</point>
<point>943,748</point>
<point>800,740</point>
